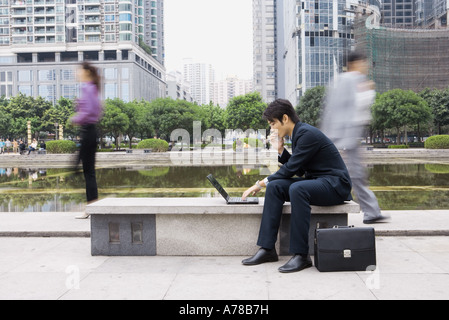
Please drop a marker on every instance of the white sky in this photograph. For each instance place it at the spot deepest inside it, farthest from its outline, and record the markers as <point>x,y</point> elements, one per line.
<point>219,32</point>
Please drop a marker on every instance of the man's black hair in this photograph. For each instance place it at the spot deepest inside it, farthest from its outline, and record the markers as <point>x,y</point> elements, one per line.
<point>278,108</point>
<point>356,55</point>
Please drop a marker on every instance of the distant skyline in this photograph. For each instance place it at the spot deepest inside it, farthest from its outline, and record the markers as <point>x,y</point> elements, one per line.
<point>210,31</point>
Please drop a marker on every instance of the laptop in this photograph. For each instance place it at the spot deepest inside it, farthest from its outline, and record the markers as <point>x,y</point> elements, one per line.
<point>230,200</point>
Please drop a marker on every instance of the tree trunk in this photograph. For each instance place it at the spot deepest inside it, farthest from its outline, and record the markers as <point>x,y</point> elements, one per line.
<point>406,135</point>
<point>117,142</point>
<point>419,132</point>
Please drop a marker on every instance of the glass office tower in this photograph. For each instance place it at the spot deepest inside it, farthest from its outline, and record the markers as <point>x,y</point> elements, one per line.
<point>314,37</point>
<point>325,39</point>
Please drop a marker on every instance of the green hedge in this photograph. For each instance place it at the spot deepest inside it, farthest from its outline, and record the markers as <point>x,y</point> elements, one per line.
<point>401,146</point>
<point>437,142</point>
<point>416,144</point>
<point>156,145</point>
<point>61,146</point>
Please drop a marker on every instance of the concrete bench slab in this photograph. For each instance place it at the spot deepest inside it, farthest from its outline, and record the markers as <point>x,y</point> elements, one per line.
<point>192,226</point>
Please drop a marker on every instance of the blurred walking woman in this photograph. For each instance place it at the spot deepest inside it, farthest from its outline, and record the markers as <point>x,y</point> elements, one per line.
<point>88,114</point>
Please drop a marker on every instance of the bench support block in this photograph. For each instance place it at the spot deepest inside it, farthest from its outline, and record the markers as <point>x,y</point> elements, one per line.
<point>123,235</point>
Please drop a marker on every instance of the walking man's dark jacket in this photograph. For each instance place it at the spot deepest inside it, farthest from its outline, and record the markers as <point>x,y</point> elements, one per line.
<point>314,157</point>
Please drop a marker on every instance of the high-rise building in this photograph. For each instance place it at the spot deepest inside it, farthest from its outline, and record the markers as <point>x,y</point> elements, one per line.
<point>431,13</point>
<point>399,14</point>
<point>313,38</point>
<point>42,42</point>
<point>265,52</point>
<point>201,77</point>
<point>154,28</point>
<point>299,45</point>
<point>232,86</point>
<point>177,88</point>
<point>408,14</point>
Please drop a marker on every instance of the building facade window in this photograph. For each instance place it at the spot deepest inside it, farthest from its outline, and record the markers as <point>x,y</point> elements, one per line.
<point>25,75</point>
<point>110,74</point>
<point>110,91</point>
<point>26,90</point>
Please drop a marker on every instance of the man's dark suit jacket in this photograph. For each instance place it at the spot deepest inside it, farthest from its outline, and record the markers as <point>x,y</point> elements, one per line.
<point>314,157</point>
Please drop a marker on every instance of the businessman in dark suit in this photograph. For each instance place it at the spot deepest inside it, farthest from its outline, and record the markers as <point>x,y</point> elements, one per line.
<point>314,174</point>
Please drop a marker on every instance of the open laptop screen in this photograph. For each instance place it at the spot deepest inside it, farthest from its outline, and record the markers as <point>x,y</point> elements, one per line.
<point>218,186</point>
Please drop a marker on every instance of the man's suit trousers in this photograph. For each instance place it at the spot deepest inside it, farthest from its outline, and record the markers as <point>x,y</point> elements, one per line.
<point>302,194</point>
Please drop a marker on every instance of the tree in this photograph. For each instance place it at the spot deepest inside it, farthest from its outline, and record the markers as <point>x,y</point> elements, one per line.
<point>23,108</point>
<point>214,117</point>
<point>114,121</point>
<point>310,107</point>
<point>18,128</point>
<point>398,108</point>
<point>246,112</point>
<point>60,113</point>
<point>20,106</point>
<point>379,119</point>
<point>131,109</point>
<point>167,114</point>
<point>418,114</point>
<point>145,120</point>
<point>66,109</point>
<point>188,113</point>
<point>438,100</point>
<point>5,123</point>
<point>5,118</point>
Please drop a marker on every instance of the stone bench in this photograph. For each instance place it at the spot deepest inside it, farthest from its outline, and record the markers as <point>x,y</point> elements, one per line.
<point>36,152</point>
<point>192,226</point>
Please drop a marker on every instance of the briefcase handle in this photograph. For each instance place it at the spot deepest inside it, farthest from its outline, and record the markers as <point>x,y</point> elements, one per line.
<point>343,227</point>
<point>336,227</point>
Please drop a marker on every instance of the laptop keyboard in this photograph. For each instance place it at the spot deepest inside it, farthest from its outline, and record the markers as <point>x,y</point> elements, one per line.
<point>239,199</point>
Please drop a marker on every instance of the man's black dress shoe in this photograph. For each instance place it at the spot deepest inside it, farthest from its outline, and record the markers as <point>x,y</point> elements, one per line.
<point>262,256</point>
<point>297,263</point>
<point>381,219</point>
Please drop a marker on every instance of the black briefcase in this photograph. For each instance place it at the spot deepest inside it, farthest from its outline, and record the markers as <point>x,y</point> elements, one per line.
<point>345,249</point>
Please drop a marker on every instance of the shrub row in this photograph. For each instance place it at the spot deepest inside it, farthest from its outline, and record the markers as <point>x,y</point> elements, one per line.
<point>157,145</point>
<point>61,146</point>
<point>67,146</point>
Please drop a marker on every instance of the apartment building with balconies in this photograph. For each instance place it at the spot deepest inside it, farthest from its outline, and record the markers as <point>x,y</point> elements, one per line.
<point>42,42</point>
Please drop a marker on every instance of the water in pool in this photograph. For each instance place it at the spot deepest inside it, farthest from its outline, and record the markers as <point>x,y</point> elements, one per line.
<point>398,187</point>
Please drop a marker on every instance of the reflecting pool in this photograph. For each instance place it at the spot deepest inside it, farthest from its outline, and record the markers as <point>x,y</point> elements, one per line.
<point>398,187</point>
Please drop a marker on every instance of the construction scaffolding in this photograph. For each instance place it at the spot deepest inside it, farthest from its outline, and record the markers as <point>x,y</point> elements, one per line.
<point>409,59</point>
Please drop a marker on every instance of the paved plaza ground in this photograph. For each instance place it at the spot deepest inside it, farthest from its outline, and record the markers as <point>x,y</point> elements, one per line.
<point>414,267</point>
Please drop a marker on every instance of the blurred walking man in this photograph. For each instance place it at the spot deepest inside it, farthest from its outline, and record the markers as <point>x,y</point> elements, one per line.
<point>347,112</point>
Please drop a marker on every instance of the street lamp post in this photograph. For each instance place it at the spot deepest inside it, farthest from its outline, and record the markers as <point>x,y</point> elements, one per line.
<point>56,130</point>
<point>29,131</point>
